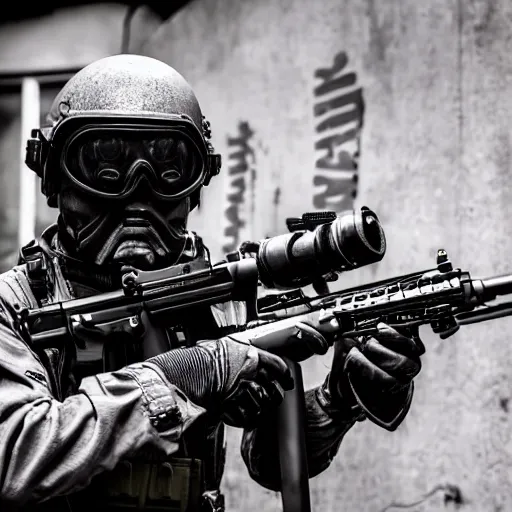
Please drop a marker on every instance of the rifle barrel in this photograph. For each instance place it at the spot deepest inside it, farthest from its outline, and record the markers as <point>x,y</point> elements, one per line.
<point>496,285</point>
<point>484,313</point>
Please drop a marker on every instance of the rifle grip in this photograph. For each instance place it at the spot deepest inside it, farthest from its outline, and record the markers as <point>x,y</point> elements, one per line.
<point>156,340</point>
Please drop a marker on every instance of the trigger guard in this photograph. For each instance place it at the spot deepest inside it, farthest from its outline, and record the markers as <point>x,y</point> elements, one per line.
<point>83,329</point>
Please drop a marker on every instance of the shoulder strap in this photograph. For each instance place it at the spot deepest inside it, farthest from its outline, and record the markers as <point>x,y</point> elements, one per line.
<point>36,261</point>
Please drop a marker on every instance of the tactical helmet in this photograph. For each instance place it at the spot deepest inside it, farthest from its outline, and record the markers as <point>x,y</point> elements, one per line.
<point>121,92</point>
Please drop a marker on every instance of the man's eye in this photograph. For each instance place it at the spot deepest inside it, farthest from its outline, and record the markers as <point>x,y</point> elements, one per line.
<point>108,149</point>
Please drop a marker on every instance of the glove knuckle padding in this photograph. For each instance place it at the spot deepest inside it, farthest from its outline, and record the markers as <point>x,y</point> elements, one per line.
<point>361,370</point>
<point>394,363</point>
<point>406,342</point>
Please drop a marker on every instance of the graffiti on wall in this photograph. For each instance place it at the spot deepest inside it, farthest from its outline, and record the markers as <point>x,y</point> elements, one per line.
<point>339,112</point>
<point>239,210</point>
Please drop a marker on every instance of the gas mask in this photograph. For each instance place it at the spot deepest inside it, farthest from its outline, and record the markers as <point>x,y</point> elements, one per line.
<point>124,194</point>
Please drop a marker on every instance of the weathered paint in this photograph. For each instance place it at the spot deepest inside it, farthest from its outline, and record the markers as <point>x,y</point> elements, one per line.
<point>338,112</point>
<point>240,207</point>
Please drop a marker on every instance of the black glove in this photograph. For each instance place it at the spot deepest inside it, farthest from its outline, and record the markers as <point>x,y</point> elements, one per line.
<point>247,404</point>
<point>375,374</point>
<point>231,377</point>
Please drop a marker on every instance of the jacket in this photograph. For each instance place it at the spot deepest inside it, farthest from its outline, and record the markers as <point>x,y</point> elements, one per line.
<point>71,441</point>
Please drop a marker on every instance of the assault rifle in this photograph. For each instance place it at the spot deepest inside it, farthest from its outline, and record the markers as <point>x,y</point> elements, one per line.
<point>319,247</point>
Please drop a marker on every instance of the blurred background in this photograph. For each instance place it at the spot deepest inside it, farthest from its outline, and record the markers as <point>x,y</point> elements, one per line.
<point>399,105</point>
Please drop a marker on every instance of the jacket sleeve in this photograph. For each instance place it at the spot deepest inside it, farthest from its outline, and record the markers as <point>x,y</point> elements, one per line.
<point>50,448</point>
<point>325,428</point>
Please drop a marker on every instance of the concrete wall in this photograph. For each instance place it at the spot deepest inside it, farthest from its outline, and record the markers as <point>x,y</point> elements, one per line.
<point>72,37</point>
<point>435,77</point>
<point>434,163</point>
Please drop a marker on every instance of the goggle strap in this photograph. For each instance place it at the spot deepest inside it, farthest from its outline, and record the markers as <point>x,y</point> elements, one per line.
<point>214,166</point>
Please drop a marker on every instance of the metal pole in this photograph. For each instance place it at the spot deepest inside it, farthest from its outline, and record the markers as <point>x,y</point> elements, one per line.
<point>30,113</point>
<point>292,446</point>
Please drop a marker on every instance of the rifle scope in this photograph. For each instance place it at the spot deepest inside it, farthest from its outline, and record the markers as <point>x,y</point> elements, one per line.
<point>331,244</point>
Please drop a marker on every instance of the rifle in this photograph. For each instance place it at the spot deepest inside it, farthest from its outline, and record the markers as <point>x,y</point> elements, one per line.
<point>322,246</point>
<point>319,247</point>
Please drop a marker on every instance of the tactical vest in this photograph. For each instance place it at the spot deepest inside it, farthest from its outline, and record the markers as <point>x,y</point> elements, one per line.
<point>187,482</point>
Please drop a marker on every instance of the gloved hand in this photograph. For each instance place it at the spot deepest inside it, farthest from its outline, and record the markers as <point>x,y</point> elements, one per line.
<point>375,374</point>
<point>233,378</point>
<point>246,405</point>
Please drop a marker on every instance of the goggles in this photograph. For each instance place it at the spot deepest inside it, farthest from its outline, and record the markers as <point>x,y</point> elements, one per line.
<point>111,162</point>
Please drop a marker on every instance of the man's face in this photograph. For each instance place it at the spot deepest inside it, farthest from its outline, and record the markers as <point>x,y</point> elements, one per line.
<point>109,211</point>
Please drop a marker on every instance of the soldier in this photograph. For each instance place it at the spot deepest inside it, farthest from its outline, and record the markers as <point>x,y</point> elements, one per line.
<point>124,156</point>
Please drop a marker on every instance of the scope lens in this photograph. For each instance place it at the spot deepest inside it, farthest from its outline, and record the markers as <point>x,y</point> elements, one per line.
<point>372,232</point>
<point>352,240</point>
